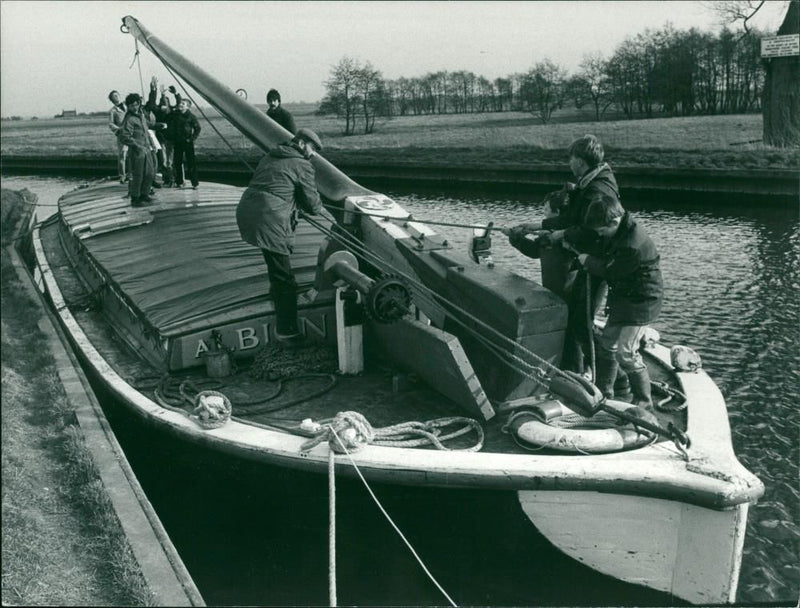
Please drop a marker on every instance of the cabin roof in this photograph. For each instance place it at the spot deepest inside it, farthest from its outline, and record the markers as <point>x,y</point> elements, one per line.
<point>188,262</point>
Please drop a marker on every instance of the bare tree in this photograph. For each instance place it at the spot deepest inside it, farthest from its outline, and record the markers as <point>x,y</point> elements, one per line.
<point>542,89</point>
<point>371,91</point>
<point>340,97</point>
<point>596,84</point>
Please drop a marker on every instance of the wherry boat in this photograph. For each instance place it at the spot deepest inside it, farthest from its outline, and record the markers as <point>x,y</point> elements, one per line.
<point>170,291</point>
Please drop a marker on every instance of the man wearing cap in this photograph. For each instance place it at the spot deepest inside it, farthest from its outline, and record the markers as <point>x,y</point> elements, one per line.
<point>283,183</point>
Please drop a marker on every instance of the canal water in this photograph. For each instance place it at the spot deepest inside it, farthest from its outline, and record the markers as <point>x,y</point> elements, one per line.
<point>732,292</point>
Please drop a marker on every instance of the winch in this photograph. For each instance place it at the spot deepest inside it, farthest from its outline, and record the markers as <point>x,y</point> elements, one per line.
<point>384,300</point>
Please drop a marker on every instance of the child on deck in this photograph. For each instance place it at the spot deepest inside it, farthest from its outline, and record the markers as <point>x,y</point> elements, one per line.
<point>627,259</point>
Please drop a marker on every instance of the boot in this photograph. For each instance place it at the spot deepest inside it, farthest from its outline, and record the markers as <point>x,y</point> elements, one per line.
<point>622,387</point>
<point>606,367</point>
<point>640,387</point>
<point>285,313</point>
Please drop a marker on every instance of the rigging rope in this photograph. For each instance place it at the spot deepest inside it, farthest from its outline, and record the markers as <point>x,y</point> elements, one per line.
<point>137,61</point>
<point>196,105</point>
<point>502,349</point>
<point>411,218</point>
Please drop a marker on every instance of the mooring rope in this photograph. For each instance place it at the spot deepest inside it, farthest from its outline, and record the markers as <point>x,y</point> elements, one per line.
<point>331,473</point>
<point>332,529</point>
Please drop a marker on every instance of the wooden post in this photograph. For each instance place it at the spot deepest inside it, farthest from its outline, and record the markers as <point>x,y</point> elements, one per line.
<point>349,331</point>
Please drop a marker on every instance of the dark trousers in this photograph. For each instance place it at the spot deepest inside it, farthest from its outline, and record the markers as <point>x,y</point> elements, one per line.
<point>185,149</point>
<point>143,170</point>
<point>283,289</point>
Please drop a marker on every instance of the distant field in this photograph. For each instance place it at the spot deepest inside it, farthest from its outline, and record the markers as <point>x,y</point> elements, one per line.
<point>508,138</point>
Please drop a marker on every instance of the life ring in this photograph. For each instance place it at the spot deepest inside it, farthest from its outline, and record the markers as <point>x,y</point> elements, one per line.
<point>552,425</point>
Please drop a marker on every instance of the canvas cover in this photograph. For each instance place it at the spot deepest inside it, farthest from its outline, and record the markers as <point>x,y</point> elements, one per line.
<point>190,261</point>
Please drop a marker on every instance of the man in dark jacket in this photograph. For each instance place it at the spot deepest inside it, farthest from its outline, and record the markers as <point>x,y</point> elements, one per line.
<point>279,114</point>
<point>627,259</point>
<point>134,133</point>
<point>183,130</point>
<point>283,183</point>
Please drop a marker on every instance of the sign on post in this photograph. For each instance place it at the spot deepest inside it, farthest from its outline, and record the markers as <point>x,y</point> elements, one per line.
<point>780,46</point>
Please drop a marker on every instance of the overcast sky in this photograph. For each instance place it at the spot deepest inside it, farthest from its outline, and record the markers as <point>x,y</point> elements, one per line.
<point>68,55</point>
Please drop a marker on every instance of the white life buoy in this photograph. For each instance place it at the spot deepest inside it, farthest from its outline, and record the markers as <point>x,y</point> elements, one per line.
<point>540,427</point>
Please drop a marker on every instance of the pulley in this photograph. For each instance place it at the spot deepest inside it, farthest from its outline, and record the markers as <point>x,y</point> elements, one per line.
<point>388,300</point>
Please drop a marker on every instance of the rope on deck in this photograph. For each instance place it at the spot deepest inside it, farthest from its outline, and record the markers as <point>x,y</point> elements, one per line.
<point>351,431</point>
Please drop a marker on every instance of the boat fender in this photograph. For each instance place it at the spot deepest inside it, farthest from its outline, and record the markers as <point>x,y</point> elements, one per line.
<point>684,359</point>
<point>531,429</point>
<point>580,395</point>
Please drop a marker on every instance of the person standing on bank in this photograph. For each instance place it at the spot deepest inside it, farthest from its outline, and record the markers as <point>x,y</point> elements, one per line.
<point>184,130</point>
<point>628,260</point>
<point>134,134</point>
<point>115,117</point>
<point>283,184</point>
<point>278,113</point>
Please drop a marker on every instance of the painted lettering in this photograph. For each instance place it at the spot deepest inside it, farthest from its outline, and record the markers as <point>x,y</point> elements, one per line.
<point>201,348</point>
<point>247,338</point>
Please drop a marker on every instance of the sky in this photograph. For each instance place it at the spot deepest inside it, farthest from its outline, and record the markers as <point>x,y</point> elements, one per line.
<point>70,54</point>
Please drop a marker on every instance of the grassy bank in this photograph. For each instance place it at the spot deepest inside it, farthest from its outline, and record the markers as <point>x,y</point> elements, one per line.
<point>500,139</point>
<point>62,543</point>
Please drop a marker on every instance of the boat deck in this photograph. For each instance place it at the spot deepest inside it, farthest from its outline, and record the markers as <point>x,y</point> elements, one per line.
<point>383,394</point>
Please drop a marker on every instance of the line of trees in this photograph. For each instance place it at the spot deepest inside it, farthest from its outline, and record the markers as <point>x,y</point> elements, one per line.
<point>664,72</point>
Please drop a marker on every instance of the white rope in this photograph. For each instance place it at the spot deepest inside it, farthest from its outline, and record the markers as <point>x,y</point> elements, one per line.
<point>388,518</point>
<point>332,528</point>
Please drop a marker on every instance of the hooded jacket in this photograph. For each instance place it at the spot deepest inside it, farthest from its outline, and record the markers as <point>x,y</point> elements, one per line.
<point>629,263</point>
<point>267,212</point>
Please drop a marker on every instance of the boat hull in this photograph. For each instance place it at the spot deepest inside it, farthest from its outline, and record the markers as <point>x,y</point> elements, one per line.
<point>708,494</point>
<point>661,544</point>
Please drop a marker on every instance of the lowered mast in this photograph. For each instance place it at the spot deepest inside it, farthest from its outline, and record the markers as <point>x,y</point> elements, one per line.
<point>252,122</point>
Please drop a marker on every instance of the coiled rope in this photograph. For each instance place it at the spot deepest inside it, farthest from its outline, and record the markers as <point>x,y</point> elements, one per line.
<point>354,431</point>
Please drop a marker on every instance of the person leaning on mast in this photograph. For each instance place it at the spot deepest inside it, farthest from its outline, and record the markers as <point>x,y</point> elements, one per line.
<point>284,182</point>
<point>135,134</point>
<point>115,117</point>
<point>628,261</point>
